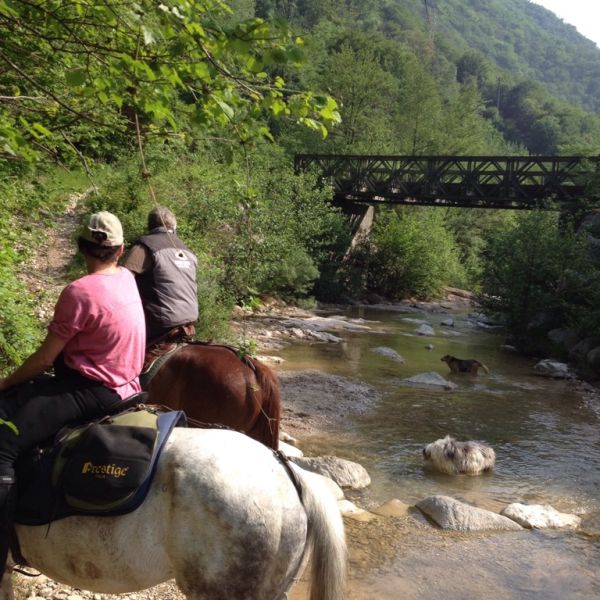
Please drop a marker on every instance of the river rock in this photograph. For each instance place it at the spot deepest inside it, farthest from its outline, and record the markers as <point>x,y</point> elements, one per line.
<point>324,324</point>
<point>563,338</point>
<point>284,436</point>
<point>324,336</point>
<point>593,359</point>
<point>431,379</point>
<point>580,350</point>
<point>425,330</point>
<point>389,353</point>
<point>415,321</point>
<point>392,508</point>
<point>344,472</point>
<point>451,514</point>
<point>297,332</point>
<point>552,368</point>
<point>447,323</point>
<point>538,516</point>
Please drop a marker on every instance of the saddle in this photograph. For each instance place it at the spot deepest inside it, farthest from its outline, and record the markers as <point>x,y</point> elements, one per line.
<point>158,354</point>
<point>100,468</point>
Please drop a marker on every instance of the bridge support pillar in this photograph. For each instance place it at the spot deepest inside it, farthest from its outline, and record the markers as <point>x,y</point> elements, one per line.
<point>361,218</point>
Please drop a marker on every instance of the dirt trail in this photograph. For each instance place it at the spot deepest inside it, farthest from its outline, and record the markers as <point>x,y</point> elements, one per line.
<point>45,271</point>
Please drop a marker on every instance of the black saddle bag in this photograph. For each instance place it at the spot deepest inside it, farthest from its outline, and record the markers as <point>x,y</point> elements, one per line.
<point>107,465</point>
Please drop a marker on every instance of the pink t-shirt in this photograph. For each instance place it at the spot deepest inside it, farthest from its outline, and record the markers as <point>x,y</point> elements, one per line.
<point>102,319</point>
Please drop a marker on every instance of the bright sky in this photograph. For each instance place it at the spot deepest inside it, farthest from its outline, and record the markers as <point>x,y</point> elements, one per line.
<point>584,14</point>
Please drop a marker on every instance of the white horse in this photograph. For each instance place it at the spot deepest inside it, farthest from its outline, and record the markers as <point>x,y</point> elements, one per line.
<point>222,517</point>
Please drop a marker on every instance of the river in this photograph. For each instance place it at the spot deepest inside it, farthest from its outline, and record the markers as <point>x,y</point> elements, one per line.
<point>546,436</point>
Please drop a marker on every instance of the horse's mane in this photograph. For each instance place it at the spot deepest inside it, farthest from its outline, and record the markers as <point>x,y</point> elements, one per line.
<point>268,423</point>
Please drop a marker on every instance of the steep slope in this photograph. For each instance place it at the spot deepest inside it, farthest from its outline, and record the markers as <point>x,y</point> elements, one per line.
<point>521,38</point>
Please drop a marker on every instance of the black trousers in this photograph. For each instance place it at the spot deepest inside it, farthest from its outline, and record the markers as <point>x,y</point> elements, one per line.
<point>37,410</point>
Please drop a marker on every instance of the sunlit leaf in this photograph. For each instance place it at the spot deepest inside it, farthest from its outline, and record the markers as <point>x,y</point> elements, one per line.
<point>76,77</point>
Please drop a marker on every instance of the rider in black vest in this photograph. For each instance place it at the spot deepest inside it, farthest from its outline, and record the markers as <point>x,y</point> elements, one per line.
<point>165,270</point>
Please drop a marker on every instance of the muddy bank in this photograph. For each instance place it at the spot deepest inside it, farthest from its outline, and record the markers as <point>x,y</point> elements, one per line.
<point>316,402</point>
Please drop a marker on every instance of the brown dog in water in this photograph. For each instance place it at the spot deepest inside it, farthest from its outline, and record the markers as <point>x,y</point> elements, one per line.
<point>460,365</point>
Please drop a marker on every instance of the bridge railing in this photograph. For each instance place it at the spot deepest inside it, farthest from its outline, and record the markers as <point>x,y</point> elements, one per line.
<point>486,181</point>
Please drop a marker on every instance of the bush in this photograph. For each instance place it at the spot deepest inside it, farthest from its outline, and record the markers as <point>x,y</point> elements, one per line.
<point>255,225</point>
<point>539,266</point>
<point>27,204</point>
<point>411,253</point>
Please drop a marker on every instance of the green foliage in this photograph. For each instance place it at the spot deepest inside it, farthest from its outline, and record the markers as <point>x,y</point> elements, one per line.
<point>286,231</point>
<point>522,41</point>
<point>471,230</point>
<point>18,330</point>
<point>112,64</point>
<point>255,225</point>
<point>411,254</point>
<point>537,264</point>
<point>22,213</point>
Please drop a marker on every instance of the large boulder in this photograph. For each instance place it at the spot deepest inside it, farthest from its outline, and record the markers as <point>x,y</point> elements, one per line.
<point>593,360</point>
<point>388,353</point>
<point>289,450</point>
<point>552,368</point>
<point>344,472</point>
<point>451,514</point>
<point>315,323</point>
<point>578,353</point>
<point>425,330</point>
<point>536,333</point>
<point>561,341</point>
<point>538,516</point>
<point>430,379</point>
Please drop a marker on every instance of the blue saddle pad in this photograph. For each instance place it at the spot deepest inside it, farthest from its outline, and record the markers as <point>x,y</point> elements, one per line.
<point>85,472</point>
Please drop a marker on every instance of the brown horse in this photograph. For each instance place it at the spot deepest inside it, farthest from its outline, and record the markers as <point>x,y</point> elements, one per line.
<point>212,384</point>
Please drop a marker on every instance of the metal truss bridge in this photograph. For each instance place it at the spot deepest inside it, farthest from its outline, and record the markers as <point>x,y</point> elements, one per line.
<point>511,182</point>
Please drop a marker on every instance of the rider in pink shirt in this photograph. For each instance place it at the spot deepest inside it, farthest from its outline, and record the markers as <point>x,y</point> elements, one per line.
<point>96,344</point>
<point>104,332</point>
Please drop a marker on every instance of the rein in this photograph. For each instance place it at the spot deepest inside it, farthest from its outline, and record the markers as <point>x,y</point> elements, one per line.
<point>285,461</point>
<point>195,423</point>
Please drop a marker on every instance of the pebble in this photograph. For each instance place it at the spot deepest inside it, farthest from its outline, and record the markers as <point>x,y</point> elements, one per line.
<point>43,588</point>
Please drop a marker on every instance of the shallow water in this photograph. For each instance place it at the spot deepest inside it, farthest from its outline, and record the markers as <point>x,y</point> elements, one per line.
<point>546,434</point>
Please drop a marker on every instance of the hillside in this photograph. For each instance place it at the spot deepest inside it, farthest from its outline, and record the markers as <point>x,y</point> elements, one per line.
<point>523,39</point>
<point>533,78</point>
<point>520,39</point>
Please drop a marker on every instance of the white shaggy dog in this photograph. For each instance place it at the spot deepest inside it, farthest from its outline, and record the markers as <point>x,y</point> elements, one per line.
<point>452,457</point>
